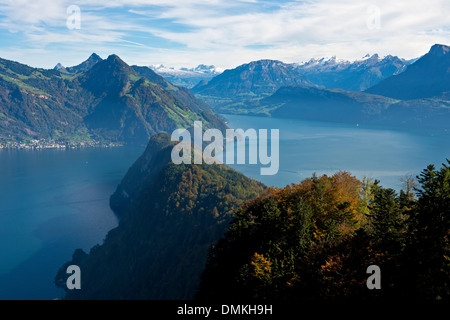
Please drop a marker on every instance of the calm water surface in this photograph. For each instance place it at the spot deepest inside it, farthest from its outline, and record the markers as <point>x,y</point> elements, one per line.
<point>54,201</point>
<point>324,148</point>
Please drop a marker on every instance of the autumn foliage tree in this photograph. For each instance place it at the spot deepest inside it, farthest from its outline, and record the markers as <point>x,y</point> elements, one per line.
<point>314,240</point>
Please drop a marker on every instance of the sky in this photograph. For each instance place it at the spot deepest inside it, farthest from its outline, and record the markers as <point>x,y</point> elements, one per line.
<point>224,33</point>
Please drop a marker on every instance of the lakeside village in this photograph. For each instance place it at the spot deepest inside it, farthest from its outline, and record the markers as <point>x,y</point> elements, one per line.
<point>38,144</point>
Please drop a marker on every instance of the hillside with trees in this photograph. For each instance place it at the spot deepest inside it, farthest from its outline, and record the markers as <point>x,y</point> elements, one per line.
<point>314,240</point>
<point>170,216</point>
<point>98,100</point>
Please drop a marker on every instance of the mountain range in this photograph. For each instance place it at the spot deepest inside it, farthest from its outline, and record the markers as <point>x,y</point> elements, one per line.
<point>354,76</point>
<point>417,97</point>
<point>105,100</point>
<point>171,215</point>
<point>249,81</point>
<point>187,77</point>
<point>259,79</point>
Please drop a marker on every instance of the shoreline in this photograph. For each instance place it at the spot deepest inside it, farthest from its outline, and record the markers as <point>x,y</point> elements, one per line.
<point>52,145</point>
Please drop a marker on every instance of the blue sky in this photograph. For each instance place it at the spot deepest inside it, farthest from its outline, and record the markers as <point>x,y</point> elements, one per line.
<point>225,33</point>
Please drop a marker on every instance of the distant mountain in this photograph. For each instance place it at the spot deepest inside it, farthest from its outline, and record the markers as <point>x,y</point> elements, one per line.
<point>333,105</point>
<point>356,76</point>
<point>418,97</point>
<point>342,106</point>
<point>426,78</point>
<point>249,81</point>
<point>58,66</point>
<point>109,102</point>
<point>187,77</point>
<point>170,216</point>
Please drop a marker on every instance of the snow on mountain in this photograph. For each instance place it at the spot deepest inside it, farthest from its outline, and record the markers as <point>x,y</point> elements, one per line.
<point>355,75</point>
<point>187,77</point>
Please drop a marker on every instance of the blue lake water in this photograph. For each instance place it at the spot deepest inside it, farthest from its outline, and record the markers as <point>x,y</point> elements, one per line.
<point>54,201</point>
<point>308,147</point>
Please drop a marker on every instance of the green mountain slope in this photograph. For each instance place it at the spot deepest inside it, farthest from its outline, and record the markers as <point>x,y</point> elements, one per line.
<point>38,103</point>
<point>105,100</point>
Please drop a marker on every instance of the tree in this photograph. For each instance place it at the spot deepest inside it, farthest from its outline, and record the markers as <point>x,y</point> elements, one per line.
<point>431,242</point>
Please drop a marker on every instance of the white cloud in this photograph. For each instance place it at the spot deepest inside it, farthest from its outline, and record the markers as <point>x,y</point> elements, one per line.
<point>223,32</point>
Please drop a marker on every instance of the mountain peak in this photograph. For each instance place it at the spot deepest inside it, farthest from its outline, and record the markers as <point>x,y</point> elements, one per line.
<point>114,58</point>
<point>255,79</point>
<point>439,50</point>
<point>266,62</point>
<point>109,76</point>
<point>94,56</point>
<point>85,65</point>
<point>425,78</point>
<point>114,63</point>
<point>58,66</point>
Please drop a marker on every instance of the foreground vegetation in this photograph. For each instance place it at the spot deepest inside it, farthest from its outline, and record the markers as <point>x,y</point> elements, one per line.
<point>315,240</point>
<point>310,241</point>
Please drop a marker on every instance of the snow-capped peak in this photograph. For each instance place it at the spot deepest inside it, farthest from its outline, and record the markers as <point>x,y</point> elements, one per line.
<point>370,57</point>
<point>200,69</point>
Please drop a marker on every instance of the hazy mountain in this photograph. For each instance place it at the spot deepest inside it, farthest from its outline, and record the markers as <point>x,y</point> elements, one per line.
<point>170,216</point>
<point>426,83</point>
<point>187,77</point>
<point>58,66</point>
<point>249,81</point>
<point>337,105</point>
<point>357,76</point>
<point>109,102</point>
<point>427,77</point>
<point>334,105</point>
<point>342,106</point>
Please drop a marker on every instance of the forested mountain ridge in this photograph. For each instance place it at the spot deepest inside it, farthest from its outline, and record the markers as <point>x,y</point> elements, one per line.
<point>104,100</point>
<point>170,216</point>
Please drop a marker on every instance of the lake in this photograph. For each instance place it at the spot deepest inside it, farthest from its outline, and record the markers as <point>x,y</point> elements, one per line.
<point>308,147</point>
<point>54,201</point>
